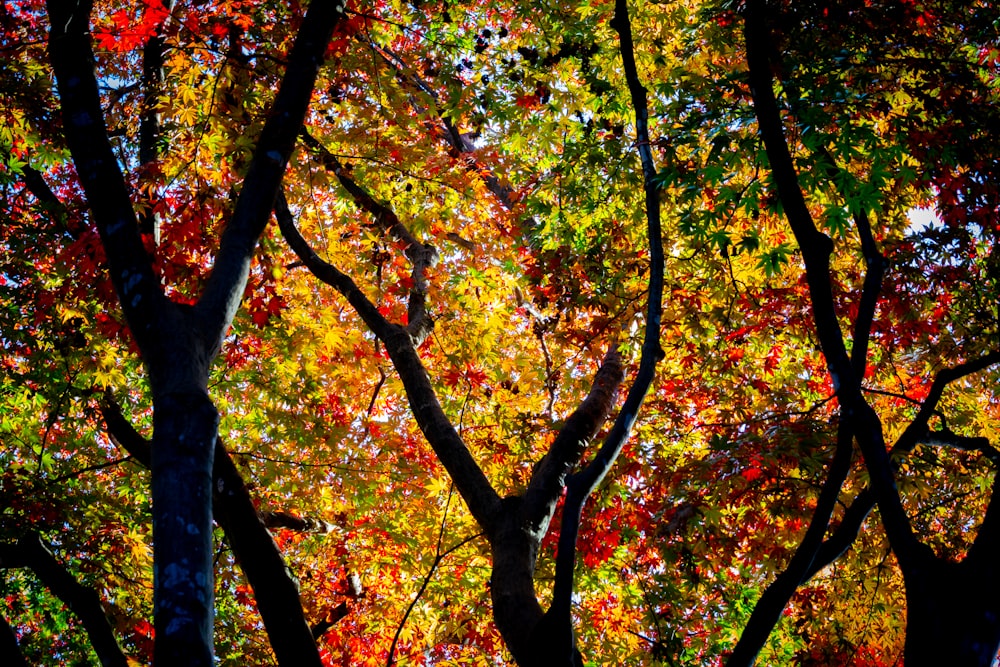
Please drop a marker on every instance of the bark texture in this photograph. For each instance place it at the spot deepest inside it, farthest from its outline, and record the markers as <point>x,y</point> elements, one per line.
<point>274,586</point>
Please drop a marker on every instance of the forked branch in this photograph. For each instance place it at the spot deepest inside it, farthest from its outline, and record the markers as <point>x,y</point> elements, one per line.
<point>816,248</point>
<point>422,256</point>
<point>475,489</point>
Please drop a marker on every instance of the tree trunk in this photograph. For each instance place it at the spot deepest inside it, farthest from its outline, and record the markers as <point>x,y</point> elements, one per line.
<point>184,432</point>
<point>952,615</point>
<point>512,586</point>
<point>534,638</point>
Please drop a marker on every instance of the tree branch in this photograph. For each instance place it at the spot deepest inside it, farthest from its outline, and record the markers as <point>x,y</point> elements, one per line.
<point>875,271</point>
<point>767,610</point>
<point>37,186</point>
<point>123,433</point>
<point>438,557</point>
<point>83,601</point>
<point>816,249</point>
<point>422,256</point>
<point>475,489</point>
<point>549,476</point>
<point>226,283</point>
<point>329,274</point>
<point>289,521</point>
<point>919,426</point>
<point>581,484</point>
<point>459,143</point>
<point>139,292</point>
<point>813,553</point>
<point>149,120</point>
<point>948,438</point>
<point>845,533</point>
<point>850,525</point>
<point>587,479</point>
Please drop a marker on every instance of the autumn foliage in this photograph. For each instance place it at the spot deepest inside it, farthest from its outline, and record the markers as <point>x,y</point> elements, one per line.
<point>499,333</point>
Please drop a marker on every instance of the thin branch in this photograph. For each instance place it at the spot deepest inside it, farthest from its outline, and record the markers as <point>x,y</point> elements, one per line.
<point>438,557</point>
<point>82,471</point>
<point>767,611</point>
<point>388,472</point>
<point>580,485</point>
<point>422,256</point>
<point>382,377</point>
<point>480,496</point>
<point>588,479</point>
<point>459,143</point>
<point>891,394</point>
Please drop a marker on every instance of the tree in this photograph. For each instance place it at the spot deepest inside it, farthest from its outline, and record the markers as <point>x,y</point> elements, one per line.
<point>482,187</point>
<point>845,125</point>
<point>178,335</point>
<point>514,525</point>
<point>945,619</point>
<point>177,341</point>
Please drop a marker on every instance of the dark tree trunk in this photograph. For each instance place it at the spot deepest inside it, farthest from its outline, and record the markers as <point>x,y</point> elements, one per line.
<point>184,432</point>
<point>952,615</point>
<point>274,586</point>
<point>178,343</point>
<point>516,610</point>
<point>535,638</point>
<point>10,654</point>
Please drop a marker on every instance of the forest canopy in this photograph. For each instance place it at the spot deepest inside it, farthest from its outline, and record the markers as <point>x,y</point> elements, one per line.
<point>433,333</point>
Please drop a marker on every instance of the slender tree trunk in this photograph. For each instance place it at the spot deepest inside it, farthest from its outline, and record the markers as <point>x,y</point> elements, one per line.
<point>10,653</point>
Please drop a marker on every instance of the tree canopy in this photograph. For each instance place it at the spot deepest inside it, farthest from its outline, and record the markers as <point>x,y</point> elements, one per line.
<point>492,333</point>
